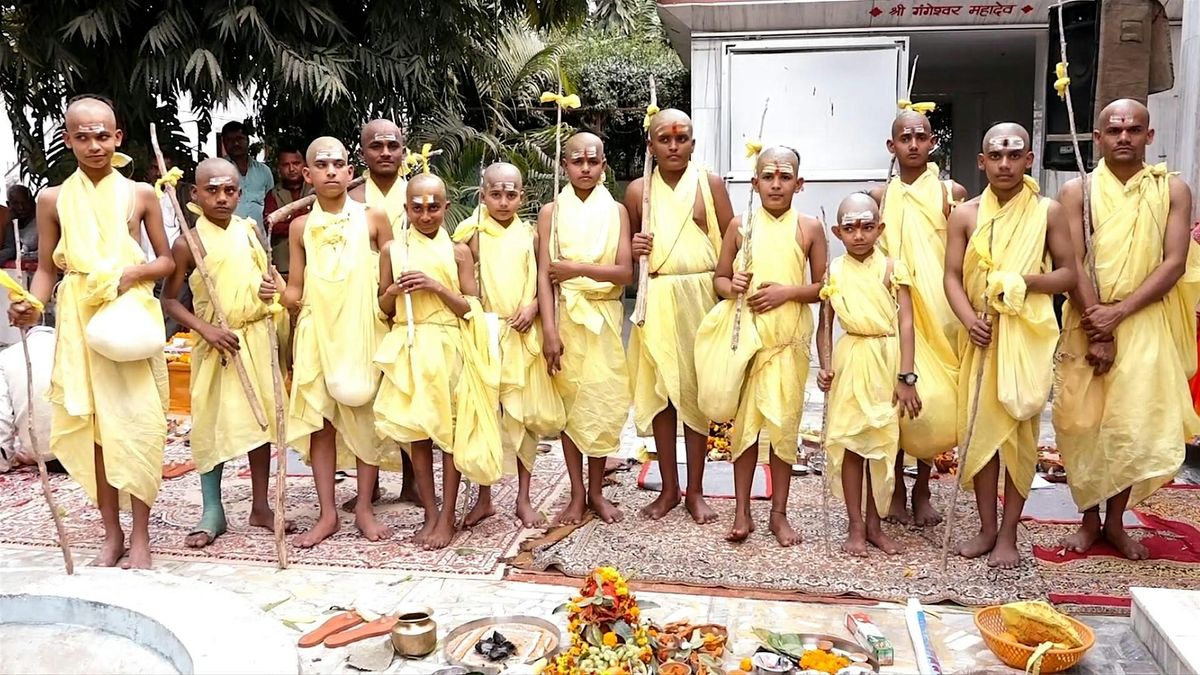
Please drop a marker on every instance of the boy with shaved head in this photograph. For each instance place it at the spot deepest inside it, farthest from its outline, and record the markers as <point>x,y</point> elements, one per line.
<point>1123,412</point>
<point>1000,288</point>
<point>783,242</point>
<point>915,205</point>
<point>222,425</point>
<point>689,211</point>
<point>109,417</point>
<point>505,247</point>
<point>331,290</point>
<point>583,264</point>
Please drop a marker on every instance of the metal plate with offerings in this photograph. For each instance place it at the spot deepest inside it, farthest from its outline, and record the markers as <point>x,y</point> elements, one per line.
<point>795,645</point>
<point>531,637</point>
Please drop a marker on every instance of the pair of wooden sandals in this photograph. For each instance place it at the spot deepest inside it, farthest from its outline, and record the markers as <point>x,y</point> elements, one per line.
<point>347,627</point>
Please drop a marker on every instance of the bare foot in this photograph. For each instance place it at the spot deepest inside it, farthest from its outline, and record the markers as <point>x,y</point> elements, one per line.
<point>322,530</point>
<point>1005,555</point>
<point>426,529</point>
<point>530,517</point>
<point>351,504</point>
<point>1129,547</point>
<point>743,525</point>
<point>198,539</point>
<point>573,513</point>
<point>898,511</point>
<point>662,505</point>
<point>442,534</point>
<point>111,551</point>
<point>879,539</point>
<point>479,513</point>
<point>139,554</point>
<point>370,528</point>
<point>976,546</point>
<point>856,540</point>
<point>265,518</point>
<point>408,492</point>
<point>701,512</point>
<point>605,510</point>
<point>784,533</point>
<point>924,515</point>
<point>1085,537</point>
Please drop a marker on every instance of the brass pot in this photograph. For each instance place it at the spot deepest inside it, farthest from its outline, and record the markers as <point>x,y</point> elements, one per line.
<point>415,633</point>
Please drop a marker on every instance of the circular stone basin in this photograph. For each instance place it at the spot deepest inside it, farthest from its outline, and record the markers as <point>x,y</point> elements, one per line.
<point>119,621</point>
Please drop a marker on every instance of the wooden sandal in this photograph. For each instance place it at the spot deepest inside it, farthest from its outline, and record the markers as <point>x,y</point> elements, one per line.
<point>335,624</point>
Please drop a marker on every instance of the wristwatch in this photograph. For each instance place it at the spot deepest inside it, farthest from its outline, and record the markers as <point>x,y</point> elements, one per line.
<point>907,378</point>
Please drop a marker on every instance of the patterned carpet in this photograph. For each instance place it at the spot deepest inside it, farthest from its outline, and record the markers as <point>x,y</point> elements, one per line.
<point>677,551</point>
<point>477,553</point>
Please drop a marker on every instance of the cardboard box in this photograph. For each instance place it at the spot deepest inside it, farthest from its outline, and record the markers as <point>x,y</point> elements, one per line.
<point>870,637</point>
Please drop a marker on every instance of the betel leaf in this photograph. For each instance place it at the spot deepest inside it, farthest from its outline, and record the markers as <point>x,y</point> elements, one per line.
<point>594,635</point>
<point>623,630</point>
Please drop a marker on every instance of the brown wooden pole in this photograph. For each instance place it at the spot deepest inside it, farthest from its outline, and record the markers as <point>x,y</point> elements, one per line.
<point>639,307</point>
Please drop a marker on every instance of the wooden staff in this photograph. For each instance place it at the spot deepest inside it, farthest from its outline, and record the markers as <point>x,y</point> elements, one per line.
<point>825,360</point>
<point>639,307</point>
<point>747,250</point>
<point>292,210</point>
<point>1089,254</point>
<point>64,543</point>
<point>198,256</point>
<point>408,306</point>
<point>555,245</point>
<point>966,444</point>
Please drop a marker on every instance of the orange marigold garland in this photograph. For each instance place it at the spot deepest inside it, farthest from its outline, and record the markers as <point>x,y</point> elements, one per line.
<point>609,636</point>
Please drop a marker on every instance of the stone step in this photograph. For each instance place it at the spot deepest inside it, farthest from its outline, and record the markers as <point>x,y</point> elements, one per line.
<point>1167,621</point>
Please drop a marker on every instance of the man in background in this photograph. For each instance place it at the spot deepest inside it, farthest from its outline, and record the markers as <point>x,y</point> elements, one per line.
<point>256,178</point>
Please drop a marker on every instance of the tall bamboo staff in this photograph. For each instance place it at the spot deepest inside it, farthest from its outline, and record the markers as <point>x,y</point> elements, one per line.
<point>825,361</point>
<point>639,307</point>
<point>560,102</point>
<point>299,207</point>
<point>965,448</point>
<point>1063,86</point>
<point>18,293</point>
<point>753,149</point>
<point>414,162</point>
<point>198,256</point>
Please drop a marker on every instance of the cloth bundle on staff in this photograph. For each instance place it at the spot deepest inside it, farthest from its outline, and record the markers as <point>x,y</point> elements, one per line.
<point>639,307</point>
<point>561,102</point>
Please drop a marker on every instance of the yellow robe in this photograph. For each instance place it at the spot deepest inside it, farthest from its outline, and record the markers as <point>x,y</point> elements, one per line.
<point>866,360</point>
<point>1019,364</point>
<point>916,235</point>
<point>594,380</point>
<point>119,406</point>
<point>392,203</point>
<point>772,397</point>
<point>337,333</point>
<point>679,294</point>
<point>222,425</point>
<point>507,271</point>
<point>1127,428</point>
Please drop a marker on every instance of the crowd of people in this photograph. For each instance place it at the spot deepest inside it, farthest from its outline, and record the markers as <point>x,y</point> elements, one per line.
<point>406,334</point>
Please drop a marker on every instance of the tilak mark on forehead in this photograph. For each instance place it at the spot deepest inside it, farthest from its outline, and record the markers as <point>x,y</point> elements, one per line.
<point>590,152</point>
<point>328,154</point>
<point>1122,119</point>
<point>220,180</point>
<point>1007,142</point>
<point>507,186</point>
<point>91,128</point>
<point>424,199</point>
<point>918,129</point>
<point>776,166</point>
<point>385,137</point>
<point>855,217</point>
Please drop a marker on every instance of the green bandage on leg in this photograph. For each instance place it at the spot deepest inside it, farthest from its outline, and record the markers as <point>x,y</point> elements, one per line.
<point>212,520</point>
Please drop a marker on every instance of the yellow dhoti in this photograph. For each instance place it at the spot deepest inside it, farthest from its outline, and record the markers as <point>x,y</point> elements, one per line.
<point>866,360</point>
<point>223,426</point>
<point>1009,241</point>
<point>678,296</point>
<point>1126,429</point>
<point>916,235</point>
<point>119,406</point>
<point>333,377</point>
<point>594,380</point>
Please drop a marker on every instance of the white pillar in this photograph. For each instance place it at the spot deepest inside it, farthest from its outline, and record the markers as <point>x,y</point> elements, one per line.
<point>1187,78</point>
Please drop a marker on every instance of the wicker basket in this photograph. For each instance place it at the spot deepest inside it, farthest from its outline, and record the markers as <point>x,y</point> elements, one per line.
<point>1016,655</point>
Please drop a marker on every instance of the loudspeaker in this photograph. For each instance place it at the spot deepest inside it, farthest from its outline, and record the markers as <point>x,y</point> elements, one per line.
<point>1082,29</point>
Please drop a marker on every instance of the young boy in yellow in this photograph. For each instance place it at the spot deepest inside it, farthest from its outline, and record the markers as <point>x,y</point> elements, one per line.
<point>331,288</point>
<point>771,397</point>
<point>417,400</point>
<point>222,425</point>
<point>872,371</point>
<point>584,261</point>
<point>108,423</point>
<point>505,247</point>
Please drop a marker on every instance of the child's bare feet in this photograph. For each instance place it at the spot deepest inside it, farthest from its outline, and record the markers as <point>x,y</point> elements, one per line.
<point>530,517</point>
<point>743,525</point>
<point>880,540</point>
<point>605,510</point>
<point>701,512</point>
<point>111,551</point>
<point>139,553</point>
<point>662,504</point>
<point>1004,554</point>
<point>784,533</point>
<point>856,540</point>
<point>442,534</point>
<point>1085,537</point>
<point>325,527</point>
<point>431,518</point>
<point>924,515</point>
<point>898,511</point>
<point>264,517</point>
<point>978,545</point>
<point>573,513</point>
<point>364,520</point>
<point>482,510</point>
<point>1120,539</point>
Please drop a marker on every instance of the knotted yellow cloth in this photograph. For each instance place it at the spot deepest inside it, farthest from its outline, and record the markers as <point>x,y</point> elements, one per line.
<point>392,203</point>
<point>862,418</point>
<point>337,332</point>
<point>594,380</point>
<point>222,425</point>
<point>916,236</point>
<point>678,296</point>
<point>529,404</point>
<point>118,406</point>
<point>1127,427</point>
<point>1019,370</point>
<point>772,396</point>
